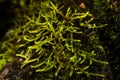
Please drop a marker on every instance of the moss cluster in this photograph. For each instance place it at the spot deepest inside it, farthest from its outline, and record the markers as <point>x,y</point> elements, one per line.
<point>55,44</point>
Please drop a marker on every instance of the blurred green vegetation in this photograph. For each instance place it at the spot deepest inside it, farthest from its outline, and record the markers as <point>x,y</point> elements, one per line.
<point>53,39</point>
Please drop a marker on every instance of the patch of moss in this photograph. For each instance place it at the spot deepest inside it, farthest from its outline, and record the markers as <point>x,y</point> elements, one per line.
<point>55,44</point>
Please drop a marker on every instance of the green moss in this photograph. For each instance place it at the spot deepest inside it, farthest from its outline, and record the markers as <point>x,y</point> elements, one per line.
<point>54,44</point>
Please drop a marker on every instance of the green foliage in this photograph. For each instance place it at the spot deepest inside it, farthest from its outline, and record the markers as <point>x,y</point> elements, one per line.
<point>5,55</point>
<point>52,42</point>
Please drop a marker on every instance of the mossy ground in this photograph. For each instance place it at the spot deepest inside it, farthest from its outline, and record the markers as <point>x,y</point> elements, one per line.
<point>49,41</point>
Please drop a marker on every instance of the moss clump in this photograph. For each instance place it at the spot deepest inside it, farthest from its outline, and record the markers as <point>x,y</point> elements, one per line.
<point>56,45</point>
